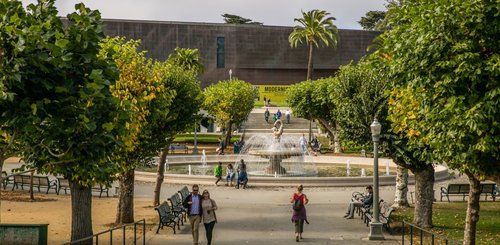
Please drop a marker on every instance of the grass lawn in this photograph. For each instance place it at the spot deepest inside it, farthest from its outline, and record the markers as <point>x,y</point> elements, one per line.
<point>202,138</point>
<point>449,221</point>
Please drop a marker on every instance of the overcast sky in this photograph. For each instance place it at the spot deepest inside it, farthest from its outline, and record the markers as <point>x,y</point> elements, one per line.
<point>270,12</point>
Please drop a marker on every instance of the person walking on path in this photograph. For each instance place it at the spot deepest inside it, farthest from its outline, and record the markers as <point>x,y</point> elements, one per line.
<point>218,172</point>
<point>208,206</point>
<point>365,201</point>
<point>266,115</point>
<point>299,201</point>
<point>221,146</point>
<point>193,204</point>
<point>229,175</point>
<point>287,115</point>
<point>278,114</point>
<point>265,102</point>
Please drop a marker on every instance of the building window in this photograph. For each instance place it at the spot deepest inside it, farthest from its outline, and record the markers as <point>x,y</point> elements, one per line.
<point>220,52</point>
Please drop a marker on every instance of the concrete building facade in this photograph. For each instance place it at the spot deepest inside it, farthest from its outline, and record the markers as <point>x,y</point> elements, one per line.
<point>257,54</point>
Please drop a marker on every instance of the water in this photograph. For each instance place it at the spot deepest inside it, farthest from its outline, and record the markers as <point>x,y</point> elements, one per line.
<point>267,156</point>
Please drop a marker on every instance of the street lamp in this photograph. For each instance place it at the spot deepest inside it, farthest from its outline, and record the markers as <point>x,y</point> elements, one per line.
<point>230,74</point>
<point>375,225</point>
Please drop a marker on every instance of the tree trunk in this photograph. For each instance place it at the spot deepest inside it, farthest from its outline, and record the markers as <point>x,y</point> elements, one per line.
<point>160,175</point>
<point>332,133</point>
<point>310,63</point>
<point>125,212</point>
<point>81,212</point>
<point>424,196</point>
<point>227,140</point>
<point>472,216</point>
<point>32,197</point>
<point>401,195</point>
<point>2,159</point>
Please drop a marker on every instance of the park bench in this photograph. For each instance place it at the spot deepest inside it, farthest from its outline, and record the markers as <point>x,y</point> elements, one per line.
<point>184,192</point>
<point>6,180</point>
<point>38,182</point>
<point>463,190</point>
<point>178,146</point>
<point>167,217</point>
<point>101,189</point>
<point>178,208</point>
<point>63,184</point>
<point>384,215</point>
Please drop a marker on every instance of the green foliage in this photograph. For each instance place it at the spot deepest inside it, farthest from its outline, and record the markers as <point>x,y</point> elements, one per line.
<point>448,219</point>
<point>229,101</point>
<point>235,19</point>
<point>311,99</point>
<point>188,59</point>
<point>444,59</point>
<point>373,21</point>
<point>59,91</point>
<point>315,28</point>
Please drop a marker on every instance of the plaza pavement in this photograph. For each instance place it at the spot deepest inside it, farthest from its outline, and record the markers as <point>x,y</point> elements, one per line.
<point>261,216</point>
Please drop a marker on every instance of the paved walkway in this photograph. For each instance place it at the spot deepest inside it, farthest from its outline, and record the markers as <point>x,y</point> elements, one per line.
<point>262,216</point>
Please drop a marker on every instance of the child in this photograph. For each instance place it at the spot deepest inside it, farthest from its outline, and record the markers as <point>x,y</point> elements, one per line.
<point>218,172</point>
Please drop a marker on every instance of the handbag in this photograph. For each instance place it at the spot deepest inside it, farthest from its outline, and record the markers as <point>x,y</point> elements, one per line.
<point>215,216</point>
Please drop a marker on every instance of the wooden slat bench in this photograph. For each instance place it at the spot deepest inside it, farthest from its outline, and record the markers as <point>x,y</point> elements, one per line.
<point>463,190</point>
<point>6,180</point>
<point>38,182</point>
<point>167,217</point>
<point>178,146</point>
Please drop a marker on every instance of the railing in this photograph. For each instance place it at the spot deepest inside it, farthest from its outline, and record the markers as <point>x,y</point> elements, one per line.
<point>422,236</point>
<point>110,231</point>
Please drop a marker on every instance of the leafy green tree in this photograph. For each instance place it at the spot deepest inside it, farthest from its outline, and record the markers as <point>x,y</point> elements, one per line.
<point>312,100</point>
<point>444,54</point>
<point>315,27</point>
<point>187,58</point>
<point>235,19</point>
<point>360,96</point>
<point>229,102</point>
<point>59,93</point>
<point>138,86</point>
<point>373,21</point>
<point>171,118</point>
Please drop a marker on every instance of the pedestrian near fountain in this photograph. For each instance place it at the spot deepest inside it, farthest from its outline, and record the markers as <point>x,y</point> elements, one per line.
<point>303,143</point>
<point>229,174</point>
<point>221,146</point>
<point>218,172</point>
<point>266,115</point>
<point>287,115</point>
<point>278,114</point>
<point>242,175</point>
<point>274,118</point>
<point>299,201</point>
<point>209,218</point>
<point>193,205</point>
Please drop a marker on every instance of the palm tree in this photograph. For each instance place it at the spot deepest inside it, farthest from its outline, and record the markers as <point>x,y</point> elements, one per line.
<point>315,27</point>
<point>187,58</point>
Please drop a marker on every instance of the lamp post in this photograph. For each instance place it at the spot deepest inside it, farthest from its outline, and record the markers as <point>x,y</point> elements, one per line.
<point>195,147</point>
<point>375,225</point>
<point>230,74</point>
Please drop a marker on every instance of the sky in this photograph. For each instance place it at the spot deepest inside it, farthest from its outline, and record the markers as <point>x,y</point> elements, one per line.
<point>270,12</point>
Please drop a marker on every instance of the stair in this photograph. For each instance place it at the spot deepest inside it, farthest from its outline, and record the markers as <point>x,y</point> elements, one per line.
<point>256,124</point>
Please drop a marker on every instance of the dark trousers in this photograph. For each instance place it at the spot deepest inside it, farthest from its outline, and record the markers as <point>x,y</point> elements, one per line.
<point>299,226</point>
<point>209,228</point>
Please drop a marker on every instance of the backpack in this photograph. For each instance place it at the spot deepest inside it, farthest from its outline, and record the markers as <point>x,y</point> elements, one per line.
<point>297,204</point>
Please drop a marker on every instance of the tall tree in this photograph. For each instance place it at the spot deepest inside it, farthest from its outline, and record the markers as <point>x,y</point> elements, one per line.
<point>189,59</point>
<point>315,27</point>
<point>230,102</point>
<point>312,100</point>
<point>236,19</point>
<point>169,119</point>
<point>445,54</point>
<point>372,21</point>
<point>138,86</point>
<point>59,91</point>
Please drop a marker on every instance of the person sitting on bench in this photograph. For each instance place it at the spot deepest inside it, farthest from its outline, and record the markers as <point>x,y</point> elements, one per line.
<point>365,201</point>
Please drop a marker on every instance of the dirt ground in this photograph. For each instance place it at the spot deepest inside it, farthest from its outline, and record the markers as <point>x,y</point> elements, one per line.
<point>55,210</point>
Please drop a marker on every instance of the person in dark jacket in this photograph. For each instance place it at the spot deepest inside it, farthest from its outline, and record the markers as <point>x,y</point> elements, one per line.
<point>366,201</point>
<point>193,203</point>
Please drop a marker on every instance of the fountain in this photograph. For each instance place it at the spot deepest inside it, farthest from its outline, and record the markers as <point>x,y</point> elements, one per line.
<point>275,149</point>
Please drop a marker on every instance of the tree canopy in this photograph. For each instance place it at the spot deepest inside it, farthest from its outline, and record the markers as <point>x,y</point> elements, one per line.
<point>316,27</point>
<point>373,21</point>
<point>444,57</point>
<point>235,19</point>
<point>189,59</point>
